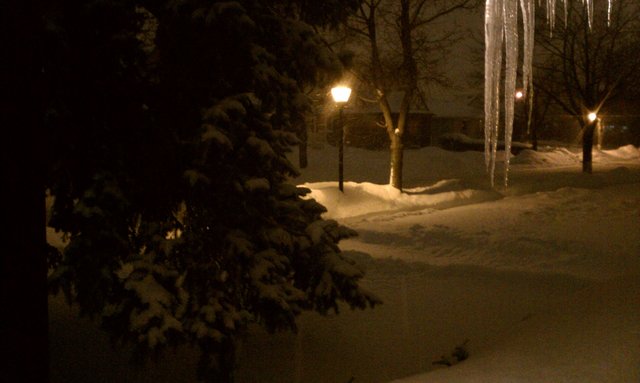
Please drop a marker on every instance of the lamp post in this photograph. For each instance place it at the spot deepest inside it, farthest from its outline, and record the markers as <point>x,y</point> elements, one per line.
<point>587,142</point>
<point>519,118</point>
<point>341,95</point>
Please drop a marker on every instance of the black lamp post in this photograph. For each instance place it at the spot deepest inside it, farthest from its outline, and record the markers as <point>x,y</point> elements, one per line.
<point>341,95</point>
<point>587,142</point>
<point>520,119</point>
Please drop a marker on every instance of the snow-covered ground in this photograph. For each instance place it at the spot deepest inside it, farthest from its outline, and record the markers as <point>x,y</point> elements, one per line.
<point>540,281</point>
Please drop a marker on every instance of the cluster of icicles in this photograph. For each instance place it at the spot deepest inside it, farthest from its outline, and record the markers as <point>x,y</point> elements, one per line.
<point>501,31</point>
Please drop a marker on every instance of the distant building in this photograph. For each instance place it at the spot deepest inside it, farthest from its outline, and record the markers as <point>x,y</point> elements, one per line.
<point>455,114</point>
<point>365,127</point>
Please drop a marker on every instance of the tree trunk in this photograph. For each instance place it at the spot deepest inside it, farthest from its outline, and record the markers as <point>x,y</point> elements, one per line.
<point>341,150</point>
<point>587,147</point>
<point>534,138</point>
<point>533,119</point>
<point>396,148</point>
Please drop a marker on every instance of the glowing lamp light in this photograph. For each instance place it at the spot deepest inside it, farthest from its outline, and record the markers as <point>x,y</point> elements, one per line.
<point>592,116</point>
<point>341,94</point>
<point>519,95</point>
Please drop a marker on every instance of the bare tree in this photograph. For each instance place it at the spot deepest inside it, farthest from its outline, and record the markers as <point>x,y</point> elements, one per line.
<point>583,67</point>
<point>401,50</point>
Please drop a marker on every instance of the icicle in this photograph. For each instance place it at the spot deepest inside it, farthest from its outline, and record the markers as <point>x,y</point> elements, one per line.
<point>528,16</point>
<point>511,71</point>
<point>551,14</point>
<point>493,29</point>
<point>548,18</point>
<point>501,25</point>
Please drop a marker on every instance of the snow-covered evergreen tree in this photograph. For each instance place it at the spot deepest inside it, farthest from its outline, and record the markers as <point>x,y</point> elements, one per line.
<point>170,122</point>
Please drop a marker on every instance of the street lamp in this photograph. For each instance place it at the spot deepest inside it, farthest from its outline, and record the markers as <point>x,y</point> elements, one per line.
<point>341,95</point>
<point>519,95</point>
<point>520,121</point>
<point>587,142</point>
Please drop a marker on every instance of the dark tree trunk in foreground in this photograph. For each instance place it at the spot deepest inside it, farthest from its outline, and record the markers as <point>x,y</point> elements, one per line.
<point>24,330</point>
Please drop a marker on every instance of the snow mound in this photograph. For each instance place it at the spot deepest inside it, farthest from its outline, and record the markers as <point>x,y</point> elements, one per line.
<point>368,198</point>
<point>625,153</point>
<point>554,157</point>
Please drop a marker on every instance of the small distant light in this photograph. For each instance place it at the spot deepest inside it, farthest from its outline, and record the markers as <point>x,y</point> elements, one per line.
<point>592,116</point>
<point>341,94</point>
<point>519,95</point>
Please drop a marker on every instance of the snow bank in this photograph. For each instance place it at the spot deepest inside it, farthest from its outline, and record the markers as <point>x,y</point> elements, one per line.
<point>368,198</point>
<point>625,153</point>
<point>448,179</point>
<point>553,157</point>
